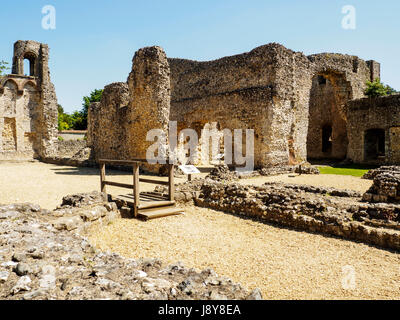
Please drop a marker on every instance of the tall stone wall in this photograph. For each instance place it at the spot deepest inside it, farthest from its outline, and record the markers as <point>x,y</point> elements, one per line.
<point>238,92</point>
<point>374,115</point>
<point>150,95</point>
<point>325,114</point>
<point>292,87</point>
<point>107,123</point>
<point>289,108</point>
<point>119,123</point>
<point>271,89</point>
<point>193,79</point>
<point>28,105</point>
<point>19,113</point>
<point>337,79</point>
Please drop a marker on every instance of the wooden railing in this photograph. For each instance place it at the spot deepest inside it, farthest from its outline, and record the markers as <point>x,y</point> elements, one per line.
<point>135,163</point>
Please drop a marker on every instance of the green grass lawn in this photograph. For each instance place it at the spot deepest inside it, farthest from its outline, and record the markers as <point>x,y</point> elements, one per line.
<point>349,170</point>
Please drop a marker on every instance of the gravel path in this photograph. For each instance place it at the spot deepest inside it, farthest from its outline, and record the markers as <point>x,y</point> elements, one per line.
<point>284,264</point>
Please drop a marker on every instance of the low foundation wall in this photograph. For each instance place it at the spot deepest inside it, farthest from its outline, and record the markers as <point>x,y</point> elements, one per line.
<point>296,209</point>
<point>73,135</point>
<point>72,153</point>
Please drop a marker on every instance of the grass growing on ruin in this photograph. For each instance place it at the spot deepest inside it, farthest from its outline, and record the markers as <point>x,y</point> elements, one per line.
<point>348,170</point>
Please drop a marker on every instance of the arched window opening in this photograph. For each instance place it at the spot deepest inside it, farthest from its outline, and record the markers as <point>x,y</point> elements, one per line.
<point>327,139</point>
<point>374,144</point>
<point>29,65</point>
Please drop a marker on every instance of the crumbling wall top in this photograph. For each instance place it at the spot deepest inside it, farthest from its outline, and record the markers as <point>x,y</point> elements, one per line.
<point>374,102</point>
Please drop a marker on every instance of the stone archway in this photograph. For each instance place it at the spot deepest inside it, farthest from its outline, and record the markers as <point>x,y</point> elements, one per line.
<point>327,129</point>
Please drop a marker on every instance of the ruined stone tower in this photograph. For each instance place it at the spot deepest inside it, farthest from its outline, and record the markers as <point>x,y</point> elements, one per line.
<point>294,103</point>
<point>28,105</point>
<point>118,125</point>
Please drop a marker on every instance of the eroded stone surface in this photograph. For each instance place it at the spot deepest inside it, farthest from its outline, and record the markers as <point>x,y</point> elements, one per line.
<point>28,105</point>
<point>273,90</point>
<point>386,185</point>
<point>62,264</point>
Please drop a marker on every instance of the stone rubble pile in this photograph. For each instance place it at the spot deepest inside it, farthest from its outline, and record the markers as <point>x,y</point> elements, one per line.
<point>385,188</point>
<point>307,170</point>
<point>222,173</point>
<point>83,199</point>
<point>274,171</point>
<point>40,258</point>
<point>371,174</point>
<point>184,192</point>
<point>387,214</point>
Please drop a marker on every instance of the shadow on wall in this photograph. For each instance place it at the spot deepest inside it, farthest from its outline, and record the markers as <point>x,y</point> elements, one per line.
<point>374,144</point>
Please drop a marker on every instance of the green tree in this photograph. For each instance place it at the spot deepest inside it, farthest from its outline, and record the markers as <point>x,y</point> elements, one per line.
<point>63,122</point>
<point>3,67</point>
<point>95,96</point>
<point>78,120</point>
<point>64,119</point>
<point>378,89</point>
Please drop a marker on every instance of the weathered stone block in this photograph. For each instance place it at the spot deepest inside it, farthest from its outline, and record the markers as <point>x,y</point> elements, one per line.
<point>67,223</point>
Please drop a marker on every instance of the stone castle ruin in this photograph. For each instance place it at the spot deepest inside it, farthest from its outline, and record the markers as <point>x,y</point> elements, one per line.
<point>296,104</point>
<point>300,107</point>
<point>28,105</point>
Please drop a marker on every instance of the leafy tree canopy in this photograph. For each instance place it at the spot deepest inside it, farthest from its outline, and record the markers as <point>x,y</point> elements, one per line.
<point>378,89</point>
<point>95,96</point>
<point>78,119</point>
<point>3,67</point>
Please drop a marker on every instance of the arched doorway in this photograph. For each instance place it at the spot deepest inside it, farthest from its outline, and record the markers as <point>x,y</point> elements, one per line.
<point>374,144</point>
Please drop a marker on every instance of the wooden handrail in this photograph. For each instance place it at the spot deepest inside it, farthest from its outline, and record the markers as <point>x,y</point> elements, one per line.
<point>129,162</point>
<point>136,179</point>
<point>102,177</point>
<point>118,162</point>
<point>163,183</point>
<point>171,188</point>
<point>118,184</point>
<point>136,193</point>
<point>130,186</point>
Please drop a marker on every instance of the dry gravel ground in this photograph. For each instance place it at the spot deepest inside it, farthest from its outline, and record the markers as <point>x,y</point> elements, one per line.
<point>283,263</point>
<point>323,180</point>
<point>46,184</point>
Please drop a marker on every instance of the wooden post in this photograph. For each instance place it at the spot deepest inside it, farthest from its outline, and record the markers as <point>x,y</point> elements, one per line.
<point>102,177</point>
<point>171,189</point>
<point>136,192</point>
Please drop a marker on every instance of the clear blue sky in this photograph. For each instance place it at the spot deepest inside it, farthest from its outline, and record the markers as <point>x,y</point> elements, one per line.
<point>94,41</point>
